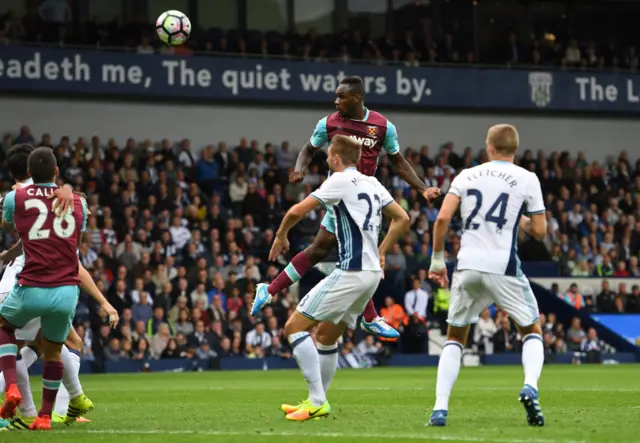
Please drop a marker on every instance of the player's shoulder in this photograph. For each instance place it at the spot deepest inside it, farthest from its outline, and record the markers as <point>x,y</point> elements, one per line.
<point>332,119</point>
<point>377,118</point>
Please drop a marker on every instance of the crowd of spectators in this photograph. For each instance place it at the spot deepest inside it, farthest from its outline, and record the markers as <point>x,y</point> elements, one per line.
<point>494,334</point>
<point>423,43</point>
<point>177,240</point>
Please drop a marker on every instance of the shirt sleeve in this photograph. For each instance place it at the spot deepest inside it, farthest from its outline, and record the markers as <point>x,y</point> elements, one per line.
<point>391,145</point>
<point>331,191</point>
<point>84,214</point>
<point>385,197</point>
<point>320,137</point>
<point>456,187</point>
<point>9,207</point>
<point>535,200</point>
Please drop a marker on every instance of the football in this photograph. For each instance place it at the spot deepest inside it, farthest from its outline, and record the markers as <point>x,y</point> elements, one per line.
<point>173,28</point>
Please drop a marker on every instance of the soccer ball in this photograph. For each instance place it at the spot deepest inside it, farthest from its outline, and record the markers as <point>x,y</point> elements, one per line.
<point>173,28</point>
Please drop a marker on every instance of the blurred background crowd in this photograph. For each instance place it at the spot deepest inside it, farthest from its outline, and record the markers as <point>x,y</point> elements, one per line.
<point>178,241</point>
<point>403,32</point>
<point>179,235</point>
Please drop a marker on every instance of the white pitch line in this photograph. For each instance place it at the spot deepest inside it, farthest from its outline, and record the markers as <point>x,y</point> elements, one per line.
<point>363,389</point>
<point>426,436</point>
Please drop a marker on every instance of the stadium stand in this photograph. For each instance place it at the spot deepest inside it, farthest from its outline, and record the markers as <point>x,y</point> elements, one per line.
<point>180,258</point>
<point>179,237</point>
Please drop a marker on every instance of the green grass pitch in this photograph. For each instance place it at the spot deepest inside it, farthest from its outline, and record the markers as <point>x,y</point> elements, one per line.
<point>581,404</point>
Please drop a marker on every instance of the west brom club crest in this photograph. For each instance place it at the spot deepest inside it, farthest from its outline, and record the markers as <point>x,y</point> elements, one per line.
<point>541,83</point>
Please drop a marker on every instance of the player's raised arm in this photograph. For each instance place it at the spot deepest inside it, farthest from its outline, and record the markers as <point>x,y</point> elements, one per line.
<point>318,139</point>
<point>330,193</point>
<point>402,167</point>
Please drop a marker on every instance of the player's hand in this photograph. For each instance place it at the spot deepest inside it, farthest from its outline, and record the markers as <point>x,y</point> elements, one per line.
<point>431,194</point>
<point>63,202</point>
<point>382,263</point>
<point>440,277</point>
<point>279,245</point>
<point>296,177</point>
<point>114,318</point>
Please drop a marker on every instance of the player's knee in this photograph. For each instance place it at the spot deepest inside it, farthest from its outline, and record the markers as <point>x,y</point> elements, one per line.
<point>458,334</point>
<point>531,329</point>
<point>74,342</point>
<point>316,252</point>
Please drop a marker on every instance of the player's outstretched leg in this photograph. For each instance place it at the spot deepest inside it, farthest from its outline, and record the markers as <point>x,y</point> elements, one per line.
<point>306,355</point>
<point>532,362</point>
<point>302,263</point>
<point>374,324</point>
<point>448,371</point>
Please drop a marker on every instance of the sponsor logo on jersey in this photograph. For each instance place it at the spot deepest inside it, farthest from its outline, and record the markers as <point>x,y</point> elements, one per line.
<point>365,141</point>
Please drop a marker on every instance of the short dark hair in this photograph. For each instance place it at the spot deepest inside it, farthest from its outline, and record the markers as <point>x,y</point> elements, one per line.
<point>355,84</point>
<point>42,165</point>
<point>17,161</point>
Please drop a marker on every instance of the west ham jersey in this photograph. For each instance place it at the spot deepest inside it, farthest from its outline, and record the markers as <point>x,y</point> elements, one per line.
<point>493,197</point>
<point>374,132</point>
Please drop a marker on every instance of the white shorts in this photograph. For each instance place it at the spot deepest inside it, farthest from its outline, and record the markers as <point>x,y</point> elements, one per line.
<point>340,297</point>
<point>29,331</point>
<point>474,291</point>
<point>9,280</point>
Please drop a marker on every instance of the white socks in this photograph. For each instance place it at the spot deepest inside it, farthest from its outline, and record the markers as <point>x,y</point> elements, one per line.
<point>306,355</point>
<point>27,405</point>
<point>328,356</point>
<point>448,370</point>
<point>70,386</point>
<point>532,359</point>
<point>70,379</point>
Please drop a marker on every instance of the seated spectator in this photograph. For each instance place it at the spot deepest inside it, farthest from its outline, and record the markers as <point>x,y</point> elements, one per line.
<point>142,310</point>
<point>504,339</point>
<point>368,346</point>
<point>159,341</point>
<point>592,347</point>
<point>114,351</point>
<point>141,351</point>
<point>257,337</point>
<point>184,324</point>
<point>484,332</point>
<point>575,335</point>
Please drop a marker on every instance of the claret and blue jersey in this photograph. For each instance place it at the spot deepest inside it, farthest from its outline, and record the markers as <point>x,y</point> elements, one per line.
<point>374,132</point>
<point>50,243</point>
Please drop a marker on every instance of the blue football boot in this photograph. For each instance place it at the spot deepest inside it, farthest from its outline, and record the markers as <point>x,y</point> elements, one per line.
<point>379,328</point>
<point>438,418</point>
<point>529,399</point>
<point>262,299</point>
